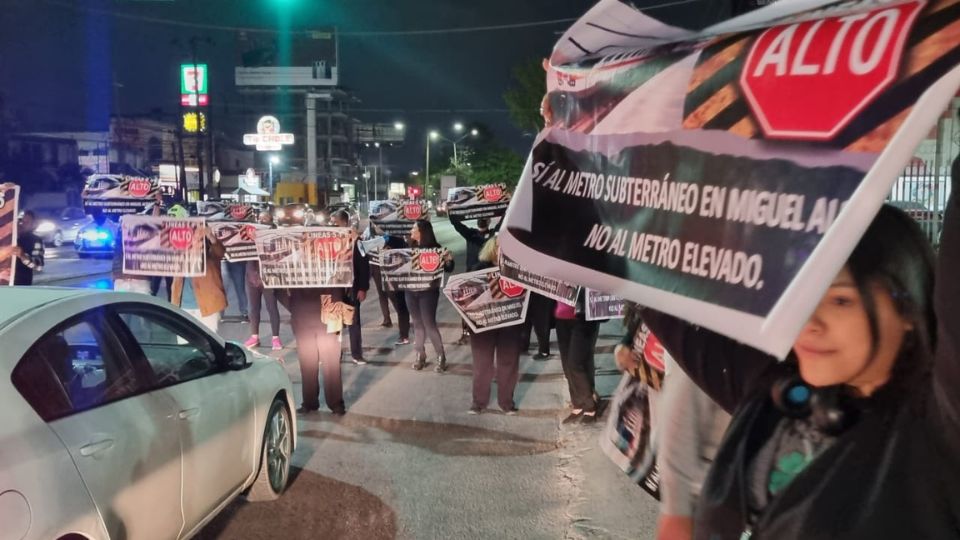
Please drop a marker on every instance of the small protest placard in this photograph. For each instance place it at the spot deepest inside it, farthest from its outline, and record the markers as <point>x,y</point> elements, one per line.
<point>412,269</point>
<point>163,246</point>
<point>475,202</point>
<point>486,300</point>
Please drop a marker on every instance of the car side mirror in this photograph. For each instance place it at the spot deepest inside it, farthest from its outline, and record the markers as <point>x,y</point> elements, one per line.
<point>236,357</point>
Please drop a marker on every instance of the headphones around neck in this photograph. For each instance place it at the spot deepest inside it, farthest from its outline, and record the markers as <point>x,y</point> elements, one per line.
<point>831,409</point>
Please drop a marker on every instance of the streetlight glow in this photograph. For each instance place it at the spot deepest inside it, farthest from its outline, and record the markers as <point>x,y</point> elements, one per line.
<point>434,135</point>
<point>398,126</point>
<point>274,159</point>
<point>474,132</point>
<point>458,127</point>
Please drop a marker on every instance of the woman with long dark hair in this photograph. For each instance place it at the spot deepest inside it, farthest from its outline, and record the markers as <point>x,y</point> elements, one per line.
<point>857,434</point>
<point>423,304</point>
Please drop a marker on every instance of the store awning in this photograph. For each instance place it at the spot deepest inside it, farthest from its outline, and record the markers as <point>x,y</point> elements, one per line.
<point>245,190</point>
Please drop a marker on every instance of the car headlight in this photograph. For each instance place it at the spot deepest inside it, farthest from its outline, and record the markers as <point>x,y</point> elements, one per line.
<point>278,214</point>
<point>298,214</point>
<point>45,227</point>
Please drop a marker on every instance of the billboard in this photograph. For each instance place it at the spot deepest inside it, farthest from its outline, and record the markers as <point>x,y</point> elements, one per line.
<point>312,59</point>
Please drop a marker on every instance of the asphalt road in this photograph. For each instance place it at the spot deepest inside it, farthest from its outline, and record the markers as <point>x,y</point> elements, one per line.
<point>407,461</point>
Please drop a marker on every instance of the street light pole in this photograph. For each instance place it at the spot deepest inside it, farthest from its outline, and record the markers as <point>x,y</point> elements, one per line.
<point>426,180</point>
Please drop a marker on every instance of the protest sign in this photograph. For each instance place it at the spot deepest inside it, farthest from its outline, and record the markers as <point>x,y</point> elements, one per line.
<point>9,214</point>
<point>116,194</point>
<point>305,257</point>
<point>724,177</point>
<point>412,269</point>
<point>602,306</point>
<point>475,202</point>
<point>397,217</point>
<point>239,239</point>
<point>163,246</point>
<point>486,300</point>
<point>555,289</point>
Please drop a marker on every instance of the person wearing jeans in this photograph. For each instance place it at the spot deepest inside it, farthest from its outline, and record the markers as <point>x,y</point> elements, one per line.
<point>237,272</point>
<point>203,296</point>
<point>577,340</point>
<point>423,304</point>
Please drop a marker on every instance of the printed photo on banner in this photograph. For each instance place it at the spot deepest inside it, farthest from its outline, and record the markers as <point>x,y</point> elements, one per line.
<point>116,194</point>
<point>722,177</point>
<point>163,246</point>
<point>602,306</point>
<point>486,300</point>
<point>9,215</point>
<point>475,202</point>
<point>305,257</point>
<point>412,269</point>
<point>552,288</point>
<point>397,217</point>
<point>238,239</point>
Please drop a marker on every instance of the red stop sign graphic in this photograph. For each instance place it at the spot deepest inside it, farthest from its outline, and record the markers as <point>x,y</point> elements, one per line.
<point>492,193</point>
<point>412,211</point>
<point>328,247</point>
<point>181,237</point>
<point>139,187</point>
<point>510,288</point>
<point>808,80</point>
<point>653,353</point>
<point>429,260</point>
<point>238,211</point>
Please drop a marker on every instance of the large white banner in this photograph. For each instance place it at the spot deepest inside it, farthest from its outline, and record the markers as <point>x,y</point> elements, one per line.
<point>725,176</point>
<point>163,246</point>
<point>306,257</point>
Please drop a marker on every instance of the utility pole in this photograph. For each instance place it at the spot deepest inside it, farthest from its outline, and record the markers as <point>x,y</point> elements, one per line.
<point>196,110</point>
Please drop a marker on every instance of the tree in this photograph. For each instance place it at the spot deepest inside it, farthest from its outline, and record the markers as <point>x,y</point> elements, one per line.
<point>524,97</point>
<point>493,165</point>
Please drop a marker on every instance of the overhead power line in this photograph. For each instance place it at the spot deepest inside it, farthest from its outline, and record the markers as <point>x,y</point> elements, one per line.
<point>353,33</point>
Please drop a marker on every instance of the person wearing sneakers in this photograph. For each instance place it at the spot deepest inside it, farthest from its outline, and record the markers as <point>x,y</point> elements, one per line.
<point>257,293</point>
<point>358,293</point>
<point>203,297</point>
<point>423,304</point>
<point>398,298</point>
<point>495,351</point>
<point>383,297</point>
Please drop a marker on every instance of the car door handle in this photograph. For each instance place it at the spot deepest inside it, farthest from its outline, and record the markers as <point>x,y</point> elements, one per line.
<point>95,448</point>
<point>189,413</point>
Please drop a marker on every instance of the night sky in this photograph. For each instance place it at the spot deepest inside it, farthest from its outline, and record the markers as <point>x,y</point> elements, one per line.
<point>67,64</point>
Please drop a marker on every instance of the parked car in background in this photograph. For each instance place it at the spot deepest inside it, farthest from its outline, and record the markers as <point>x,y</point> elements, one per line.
<point>931,222</point>
<point>442,208</point>
<point>126,418</point>
<point>294,214</point>
<point>59,226</point>
<point>97,240</point>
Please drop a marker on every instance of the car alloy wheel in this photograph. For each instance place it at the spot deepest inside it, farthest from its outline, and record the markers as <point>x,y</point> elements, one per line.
<point>58,239</point>
<point>279,445</point>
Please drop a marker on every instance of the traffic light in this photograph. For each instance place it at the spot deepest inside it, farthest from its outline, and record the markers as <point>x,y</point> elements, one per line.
<point>413,192</point>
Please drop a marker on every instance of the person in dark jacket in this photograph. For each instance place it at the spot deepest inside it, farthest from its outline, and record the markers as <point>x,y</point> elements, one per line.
<point>475,239</point>
<point>494,352</point>
<point>577,340</point>
<point>539,321</point>
<point>30,252</point>
<point>361,284</point>
<point>856,435</point>
<point>383,297</point>
<point>423,304</point>
<point>398,298</point>
<point>317,316</point>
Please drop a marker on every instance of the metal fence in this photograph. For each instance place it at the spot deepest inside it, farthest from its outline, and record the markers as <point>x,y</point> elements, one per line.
<point>924,185</point>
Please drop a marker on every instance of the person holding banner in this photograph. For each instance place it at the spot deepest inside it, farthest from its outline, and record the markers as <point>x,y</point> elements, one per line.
<point>358,293</point>
<point>423,304</point>
<point>382,297</point>
<point>203,297</point>
<point>499,347</point>
<point>30,252</point>
<point>317,316</point>
<point>256,293</point>
<point>397,298</point>
<point>476,240</point>
<point>856,434</point>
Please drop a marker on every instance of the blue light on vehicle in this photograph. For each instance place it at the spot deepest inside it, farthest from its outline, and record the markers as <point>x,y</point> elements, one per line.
<point>95,235</point>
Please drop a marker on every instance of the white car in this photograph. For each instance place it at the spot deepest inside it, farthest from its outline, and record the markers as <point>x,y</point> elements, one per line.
<point>124,418</point>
